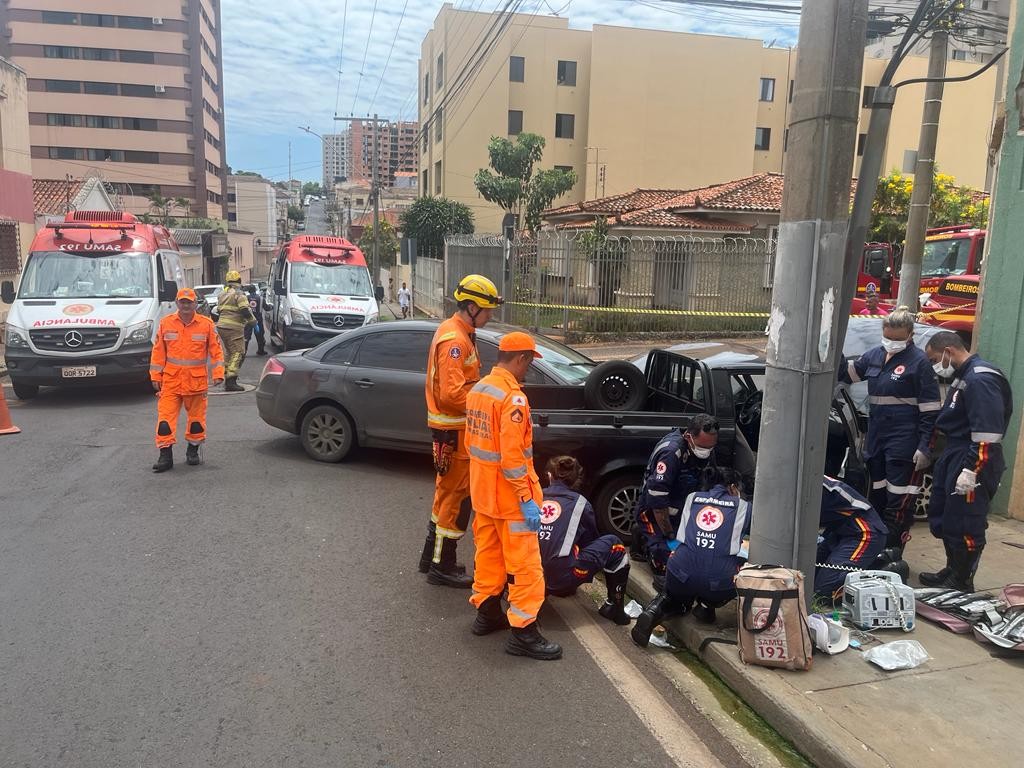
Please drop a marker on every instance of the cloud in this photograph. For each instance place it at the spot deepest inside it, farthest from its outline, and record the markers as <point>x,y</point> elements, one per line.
<point>281,62</point>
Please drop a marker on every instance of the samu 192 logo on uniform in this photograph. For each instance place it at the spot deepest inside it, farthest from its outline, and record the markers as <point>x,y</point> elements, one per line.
<point>709,518</point>
<point>549,512</point>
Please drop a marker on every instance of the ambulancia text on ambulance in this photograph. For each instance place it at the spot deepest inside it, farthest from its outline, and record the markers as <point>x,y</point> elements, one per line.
<point>320,287</point>
<point>92,293</point>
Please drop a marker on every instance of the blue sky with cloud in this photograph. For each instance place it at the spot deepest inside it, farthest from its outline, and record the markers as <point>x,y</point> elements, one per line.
<point>281,62</point>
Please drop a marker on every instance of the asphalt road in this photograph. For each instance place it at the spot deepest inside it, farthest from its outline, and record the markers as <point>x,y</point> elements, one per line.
<point>316,218</point>
<point>265,610</point>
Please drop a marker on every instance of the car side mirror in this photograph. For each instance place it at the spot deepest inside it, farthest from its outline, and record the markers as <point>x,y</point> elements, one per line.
<point>169,291</point>
<point>7,292</point>
<point>279,287</point>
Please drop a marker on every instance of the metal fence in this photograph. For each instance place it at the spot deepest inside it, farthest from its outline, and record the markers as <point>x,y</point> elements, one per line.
<point>579,285</point>
<point>428,286</point>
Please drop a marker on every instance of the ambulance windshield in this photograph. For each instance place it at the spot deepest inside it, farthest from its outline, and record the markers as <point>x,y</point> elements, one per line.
<point>945,257</point>
<point>343,280</point>
<point>60,275</point>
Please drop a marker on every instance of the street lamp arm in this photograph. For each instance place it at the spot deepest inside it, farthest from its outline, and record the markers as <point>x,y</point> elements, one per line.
<point>961,79</point>
<point>312,133</point>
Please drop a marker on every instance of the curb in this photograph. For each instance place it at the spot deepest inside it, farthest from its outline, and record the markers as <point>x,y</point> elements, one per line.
<point>772,694</point>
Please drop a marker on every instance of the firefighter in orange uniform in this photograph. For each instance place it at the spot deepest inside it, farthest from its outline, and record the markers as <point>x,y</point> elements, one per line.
<point>453,367</point>
<point>506,497</point>
<point>185,353</point>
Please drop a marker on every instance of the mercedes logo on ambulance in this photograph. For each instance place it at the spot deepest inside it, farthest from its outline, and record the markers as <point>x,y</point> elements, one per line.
<point>73,339</point>
<point>339,321</point>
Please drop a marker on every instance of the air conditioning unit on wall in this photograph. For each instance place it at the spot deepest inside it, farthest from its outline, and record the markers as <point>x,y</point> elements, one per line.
<point>158,21</point>
<point>160,88</point>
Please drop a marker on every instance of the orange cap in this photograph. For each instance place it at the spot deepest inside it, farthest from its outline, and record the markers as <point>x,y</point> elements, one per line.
<point>517,341</point>
<point>186,293</point>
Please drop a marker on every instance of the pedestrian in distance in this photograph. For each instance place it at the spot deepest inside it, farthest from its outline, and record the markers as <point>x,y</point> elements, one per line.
<point>453,367</point>
<point>974,419</point>
<point>871,307</point>
<point>506,498</point>
<point>233,316</point>
<point>404,300</point>
<point>571,549</point>
<point>185,352</point>
<point>709,552</point>
<point>256,306</point>
<point>852,537</point>
<point>672,473</point>
<point>903,401</point>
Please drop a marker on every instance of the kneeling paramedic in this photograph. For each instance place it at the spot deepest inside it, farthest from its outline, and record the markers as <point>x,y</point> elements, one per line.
<point>852,537</point>
<point>714,523</point>
<point>506,495</point>
<point>570,548</point>
<point>233,317</point>
<point>672,473</point>
<point>974,420</point>
<point>453,367</point>
<point>186,350</point>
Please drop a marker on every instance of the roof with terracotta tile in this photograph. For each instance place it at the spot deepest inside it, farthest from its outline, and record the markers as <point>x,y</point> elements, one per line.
<point>51,196</point>
<point>761,193</point>
<point>617,204</point>
<point>389,215</point>
<point>658,217</point>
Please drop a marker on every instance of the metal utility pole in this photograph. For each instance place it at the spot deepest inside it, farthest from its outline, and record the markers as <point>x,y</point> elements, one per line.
<point>808,281</point>
<point>374,189</point>
<point>920,198</point>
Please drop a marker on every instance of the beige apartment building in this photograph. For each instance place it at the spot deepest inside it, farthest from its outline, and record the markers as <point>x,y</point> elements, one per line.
<point>127,89</point>
<point>627,108</point>
<point>17,220</point>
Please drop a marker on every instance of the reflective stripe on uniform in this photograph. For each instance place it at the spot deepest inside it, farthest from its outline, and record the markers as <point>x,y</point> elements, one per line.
<point>657,493</point>
<point>440,418</point>
<point>902,490</point>
<point>528,453</point>
<point>878,484</point>
<point>986,369</point>
<point>519,613</point>
<point>889,400</point>
<point>490,390</point>
<point>449,533</point>
<point>852,370</point>
<point>986,437</point>
<point>518,526</point>
<point>574,526</point>
<point>483,455</point>
<point>935,405</point>
<point>156,367</point>
<point>187,363</point>
<point>515,473</point>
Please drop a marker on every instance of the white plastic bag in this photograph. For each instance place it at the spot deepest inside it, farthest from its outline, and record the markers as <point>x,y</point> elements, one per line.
<point>899,654</point>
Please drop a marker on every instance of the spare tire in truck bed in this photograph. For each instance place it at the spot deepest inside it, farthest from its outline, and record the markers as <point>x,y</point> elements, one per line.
<point>615,385</point>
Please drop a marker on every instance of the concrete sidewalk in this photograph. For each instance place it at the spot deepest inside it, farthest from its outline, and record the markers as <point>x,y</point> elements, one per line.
<point>959,708</point>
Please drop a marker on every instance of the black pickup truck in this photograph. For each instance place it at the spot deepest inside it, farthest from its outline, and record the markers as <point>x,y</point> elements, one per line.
<point>614,446</point>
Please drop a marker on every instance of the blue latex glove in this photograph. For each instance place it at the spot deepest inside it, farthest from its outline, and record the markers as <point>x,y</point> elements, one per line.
<point>673,545</point>
<point>531,514</point>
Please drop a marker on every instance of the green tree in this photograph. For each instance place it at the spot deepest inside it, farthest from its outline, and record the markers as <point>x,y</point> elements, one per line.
<point>184,204</point>
<point>430,219</point>
<point>295,213</point>
<point>950,204</point>
<point>387,246</point>
<point>512,183</point>
<point>311,188</point>
<point>161,206</point>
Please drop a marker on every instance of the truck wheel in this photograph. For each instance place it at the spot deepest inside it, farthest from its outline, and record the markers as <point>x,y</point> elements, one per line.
<point>615,385</point>
<point>24,391</point>
<point>327,433</point>
<point>615,504</point>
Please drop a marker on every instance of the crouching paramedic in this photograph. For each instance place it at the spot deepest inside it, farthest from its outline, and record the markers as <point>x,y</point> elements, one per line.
<point>506,495</point>
<point>184,354</point>
<point>453,367</point>
<point>714,522</point>
<point>572,551</point>
<point>852,537</point>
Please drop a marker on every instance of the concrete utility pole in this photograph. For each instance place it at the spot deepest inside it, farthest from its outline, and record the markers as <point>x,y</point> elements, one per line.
<point>808,281</point>
<point>374,190</point>
<point>920,198</point>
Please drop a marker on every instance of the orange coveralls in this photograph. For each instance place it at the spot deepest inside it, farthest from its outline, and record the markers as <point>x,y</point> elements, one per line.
<point>453,367</point>
<point>183,359</point>
<point>499,435</point>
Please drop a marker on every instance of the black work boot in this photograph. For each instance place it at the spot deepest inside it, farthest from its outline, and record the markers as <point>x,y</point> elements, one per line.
<point>705,614</point>
<point>528,641</point>
<point>192,455</point>
<point>427,556</point>
<point>649,619</point>
<point>490,617</point>
<point>231,385</point>
<point>613,608</point>
<point>165,461</point>
<point>658,582</point>
<point>446,573</point>
<point>938,578</point>
<point>965,565</point>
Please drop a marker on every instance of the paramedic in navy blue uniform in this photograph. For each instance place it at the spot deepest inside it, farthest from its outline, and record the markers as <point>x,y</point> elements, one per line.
<point>903,398</point>
<point>713,524</point>
<point>571,549</point>
<point>852,537</point>
<point>974,419</point>
<point>672,473</point>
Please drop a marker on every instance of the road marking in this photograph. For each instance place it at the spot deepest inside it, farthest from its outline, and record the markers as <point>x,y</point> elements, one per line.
<point>678,740</point>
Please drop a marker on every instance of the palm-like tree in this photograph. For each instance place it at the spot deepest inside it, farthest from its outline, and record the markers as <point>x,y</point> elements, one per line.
<point>160,204</point>
<point>184,204</point>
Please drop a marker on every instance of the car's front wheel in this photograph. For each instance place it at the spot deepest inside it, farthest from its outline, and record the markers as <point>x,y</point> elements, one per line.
<point>24,391</point>
<point>615,504</point>
<point>327,433</point>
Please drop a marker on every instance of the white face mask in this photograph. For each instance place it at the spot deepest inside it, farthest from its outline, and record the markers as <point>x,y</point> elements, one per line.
<point>892,346</point>
<point>944,371</point>
<point>700,453</point>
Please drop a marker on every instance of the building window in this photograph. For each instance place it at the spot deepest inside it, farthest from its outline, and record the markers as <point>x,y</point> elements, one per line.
<point>64,121</point>
<point>135,22</point>
<point>762,138</point>
<point>861,138</point>
<point>515,122</point>
<point>98,20</point>
<point>138,57</point>
<point>141,91</point>
<point>101,89</point>
<point>426,139</point>
<point>426,88</point>
<point>438,120</point>
<point>516,69</point>
<point>790,91</point>
<point>565,126</point>
<point>102,155</point>
<point>65,153</point>
<point>437,178</point>
<point>959,55</point>
<point>563,168</point>
<point>99,54</point>
<point>440,70</point>
<point>63,86</point>
<point>60,52</point>
<point>59,17</point>
<point>767,89</point>
<point>869,97</point>
<point>426,182</point>
<point>567,73</point>
<point>10,248</point>
<point>785,140</point>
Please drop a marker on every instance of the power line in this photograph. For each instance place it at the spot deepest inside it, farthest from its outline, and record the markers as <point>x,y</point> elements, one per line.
<point>341,56</point>
<point>398,28</point>
<point>369,37</point>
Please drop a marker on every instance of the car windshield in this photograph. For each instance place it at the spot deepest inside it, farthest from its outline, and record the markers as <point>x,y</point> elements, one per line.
<point>344,279</point>
<point>570,364</point>
<point>58,275</point>
<point>945,257</point>
<point>206,290</point>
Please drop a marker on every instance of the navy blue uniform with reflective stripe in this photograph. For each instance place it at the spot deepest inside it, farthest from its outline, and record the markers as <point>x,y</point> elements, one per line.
<point>853,536</point>
<point>974,420</point>
<point>711,530</point>
<point>570,548</point>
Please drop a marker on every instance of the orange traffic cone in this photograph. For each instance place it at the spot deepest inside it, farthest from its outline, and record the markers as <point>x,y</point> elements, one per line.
<point>6,426</point>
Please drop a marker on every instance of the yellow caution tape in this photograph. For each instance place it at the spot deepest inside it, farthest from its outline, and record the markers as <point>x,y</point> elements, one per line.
<point>951,310</point>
